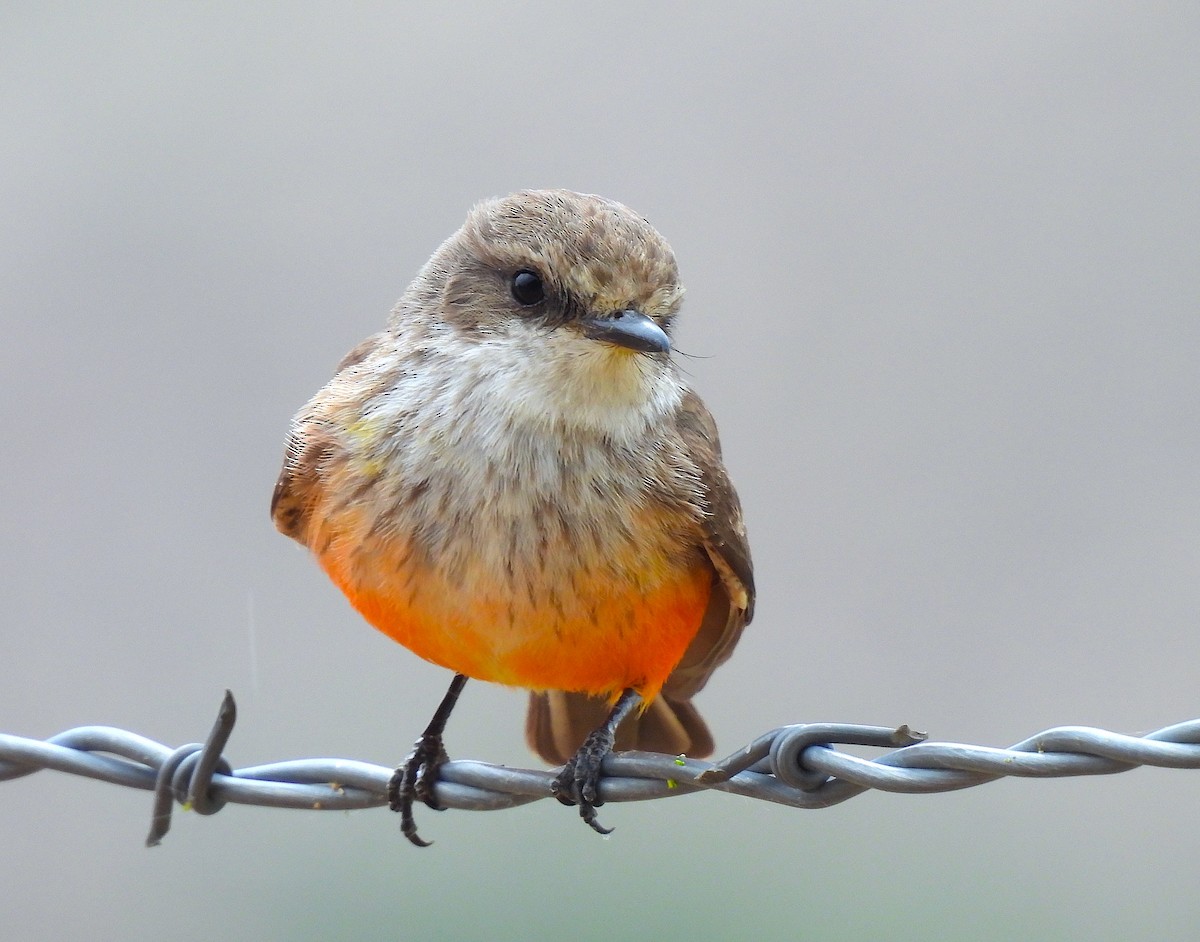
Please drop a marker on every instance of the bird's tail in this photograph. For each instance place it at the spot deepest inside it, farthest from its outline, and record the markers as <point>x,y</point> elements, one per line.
<point>558,722</point>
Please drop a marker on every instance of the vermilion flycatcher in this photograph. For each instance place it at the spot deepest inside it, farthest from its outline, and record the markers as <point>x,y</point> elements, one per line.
<point>513,482</point>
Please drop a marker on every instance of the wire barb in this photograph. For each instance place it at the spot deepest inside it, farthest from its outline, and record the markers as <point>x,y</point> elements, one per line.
<point>194,764</point>
<point>799,766</point>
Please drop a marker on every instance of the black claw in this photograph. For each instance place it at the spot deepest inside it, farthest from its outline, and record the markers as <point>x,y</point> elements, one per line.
<point>413,781</point>
<point>588,813</point>
<point>408,827</point>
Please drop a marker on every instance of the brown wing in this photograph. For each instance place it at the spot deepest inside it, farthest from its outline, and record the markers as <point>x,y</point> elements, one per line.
<point>297,489</point>
<point>731,605</point>
<point>308,448</point>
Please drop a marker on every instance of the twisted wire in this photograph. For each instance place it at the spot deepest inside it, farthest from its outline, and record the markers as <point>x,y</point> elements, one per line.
<point>796,765</point>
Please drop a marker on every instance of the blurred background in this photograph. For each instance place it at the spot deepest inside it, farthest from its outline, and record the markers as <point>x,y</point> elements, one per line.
<point>943,270</point>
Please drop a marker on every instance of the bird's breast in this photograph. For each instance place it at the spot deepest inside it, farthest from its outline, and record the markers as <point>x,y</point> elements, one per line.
<point>561,565</point>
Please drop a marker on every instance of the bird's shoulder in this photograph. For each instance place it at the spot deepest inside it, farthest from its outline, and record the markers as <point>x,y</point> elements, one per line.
<point>312,440</point>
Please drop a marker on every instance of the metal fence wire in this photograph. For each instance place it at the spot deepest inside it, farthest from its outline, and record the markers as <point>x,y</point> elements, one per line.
<point>799,766</point>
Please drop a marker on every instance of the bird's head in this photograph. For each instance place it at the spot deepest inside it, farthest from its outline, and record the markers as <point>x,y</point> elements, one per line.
<point>578,264</point>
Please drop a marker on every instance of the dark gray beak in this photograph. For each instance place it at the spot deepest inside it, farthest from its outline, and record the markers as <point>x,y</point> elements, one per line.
<point>631,329</point>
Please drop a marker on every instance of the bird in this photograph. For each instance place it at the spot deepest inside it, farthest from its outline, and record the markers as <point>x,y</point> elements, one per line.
<point>514,481</point>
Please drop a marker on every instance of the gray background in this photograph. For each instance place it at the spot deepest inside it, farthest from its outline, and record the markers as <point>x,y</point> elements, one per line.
<point>942,297</point>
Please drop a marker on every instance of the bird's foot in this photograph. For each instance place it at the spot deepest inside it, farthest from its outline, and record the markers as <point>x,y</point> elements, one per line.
<point>579,781</point>
<point>414,780</point>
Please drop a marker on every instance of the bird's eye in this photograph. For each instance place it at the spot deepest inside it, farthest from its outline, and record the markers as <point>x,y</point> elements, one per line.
<point>527,287</point>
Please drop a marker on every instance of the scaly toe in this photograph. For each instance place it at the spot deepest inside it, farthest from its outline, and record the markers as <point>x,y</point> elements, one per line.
<point>413,781</point>
<point>578,782</point>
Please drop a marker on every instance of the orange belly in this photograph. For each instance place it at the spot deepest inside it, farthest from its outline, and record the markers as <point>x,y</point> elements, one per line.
<point>592,633</point>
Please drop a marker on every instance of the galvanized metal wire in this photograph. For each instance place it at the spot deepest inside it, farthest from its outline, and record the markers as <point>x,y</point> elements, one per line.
<point>798,766</point>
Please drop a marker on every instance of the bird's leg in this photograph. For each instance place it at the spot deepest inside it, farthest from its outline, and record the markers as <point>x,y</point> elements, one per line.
<point>415,778</point>
<point>579,781</point>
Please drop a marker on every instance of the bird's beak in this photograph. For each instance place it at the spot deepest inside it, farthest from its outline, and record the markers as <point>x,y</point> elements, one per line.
<point>631,329</point>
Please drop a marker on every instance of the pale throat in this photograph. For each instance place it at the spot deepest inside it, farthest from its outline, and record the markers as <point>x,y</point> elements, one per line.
<point>571,382</point>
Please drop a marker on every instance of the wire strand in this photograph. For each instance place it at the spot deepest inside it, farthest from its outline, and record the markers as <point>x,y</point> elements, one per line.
<point>799,766</point>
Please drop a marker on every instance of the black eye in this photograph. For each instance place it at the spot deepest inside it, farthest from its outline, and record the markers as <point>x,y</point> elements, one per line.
<point>527,287</point>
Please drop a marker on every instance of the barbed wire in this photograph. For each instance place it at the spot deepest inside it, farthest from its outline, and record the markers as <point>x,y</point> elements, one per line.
<point>792,765</point>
